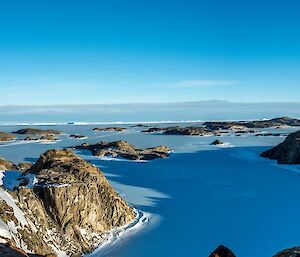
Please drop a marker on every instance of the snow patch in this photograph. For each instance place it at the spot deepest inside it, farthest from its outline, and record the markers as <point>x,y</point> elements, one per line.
<point>5,196</point>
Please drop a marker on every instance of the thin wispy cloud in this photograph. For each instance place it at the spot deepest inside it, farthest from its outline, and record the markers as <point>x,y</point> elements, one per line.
<point>200,83</point>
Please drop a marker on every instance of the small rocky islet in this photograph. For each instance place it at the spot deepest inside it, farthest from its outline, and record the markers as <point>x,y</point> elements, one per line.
<point>217,142</point>
<point>70,207</point>
<point>109,129</point>
<point>125,150</point>
<point>76,136</point>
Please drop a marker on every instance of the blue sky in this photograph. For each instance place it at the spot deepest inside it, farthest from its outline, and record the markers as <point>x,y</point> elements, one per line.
<point>95,52</point>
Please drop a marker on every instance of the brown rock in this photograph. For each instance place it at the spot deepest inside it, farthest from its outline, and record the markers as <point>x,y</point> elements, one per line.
<point>6,136</point>
<point>72,206</point>
<point>6,165</point>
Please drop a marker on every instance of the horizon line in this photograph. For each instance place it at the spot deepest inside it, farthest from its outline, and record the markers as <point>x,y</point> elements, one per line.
<point>150,103</point>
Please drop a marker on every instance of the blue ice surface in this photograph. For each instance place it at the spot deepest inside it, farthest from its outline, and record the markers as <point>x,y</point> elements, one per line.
<point>203,195</point>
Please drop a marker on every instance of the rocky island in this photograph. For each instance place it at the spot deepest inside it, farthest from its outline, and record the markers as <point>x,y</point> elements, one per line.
<point>34,131</point>
<point>218,127</point>
<point>153,130</point>
<point>188,131</point>
<point>244,125</point>
<point>110,129</point>
<point>6,137</point>
<point>138,126</point>
<point>288,152</point>
<point>217,142</point>
<point>65,204</point>
<point>76,136</point>
<point>125,150</point>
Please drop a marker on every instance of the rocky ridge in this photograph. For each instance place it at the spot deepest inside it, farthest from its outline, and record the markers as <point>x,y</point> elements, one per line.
<point>64,204</point>
<point>244,125</point>
<point>287,152</point>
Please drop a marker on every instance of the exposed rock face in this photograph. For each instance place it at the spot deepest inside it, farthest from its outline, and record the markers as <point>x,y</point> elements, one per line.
<point>33,131</point>
<point>24,166</point>
<point>288,152</point>
<point>125,150</point>
<point>6,137</point>
<point>69,208</point>
<point>189,131</point>
<point>222,251</point>
<point>292,252</point>
<point>109,129</point>
<point>8,249</point>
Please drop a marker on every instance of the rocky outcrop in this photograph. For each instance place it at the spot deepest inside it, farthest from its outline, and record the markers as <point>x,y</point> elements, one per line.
<point>125,150</point>
<point>139,126</point>
<point>48,138</point>
<point>64,204</point>
<point>243,125</point>
<point>185,131</point>
<point>288,152</point>
<point>188,131</point>
<point>292,252</point>
<point>6,137</point>
<point>76,136</point>
<point>268,135</point>
<point>154,130</point>
<point>7,165</point>
<point>217,142</point>
<point>222,251</point>
<point>110,129</point>
<point>34,131</point>
<point>225,125</point>
<point>24,166</point>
